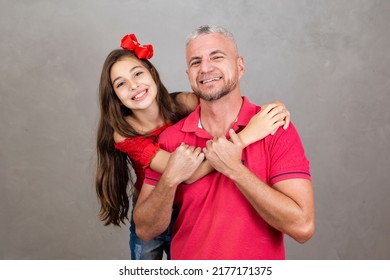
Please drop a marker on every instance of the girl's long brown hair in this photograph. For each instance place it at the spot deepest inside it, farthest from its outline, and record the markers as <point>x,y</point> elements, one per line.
<point>113,176</point>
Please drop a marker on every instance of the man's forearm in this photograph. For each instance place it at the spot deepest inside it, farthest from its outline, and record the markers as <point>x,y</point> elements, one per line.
<point>152,214</point>
<point>291,213</point>
<point>153,210</point>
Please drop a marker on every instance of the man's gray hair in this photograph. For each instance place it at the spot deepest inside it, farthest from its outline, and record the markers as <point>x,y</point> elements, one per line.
<point>207,29</point>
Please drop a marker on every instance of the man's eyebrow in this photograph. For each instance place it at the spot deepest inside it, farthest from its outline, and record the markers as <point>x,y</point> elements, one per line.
<point>194,58</point>
<point>211,54</point>
<point>217,52</point>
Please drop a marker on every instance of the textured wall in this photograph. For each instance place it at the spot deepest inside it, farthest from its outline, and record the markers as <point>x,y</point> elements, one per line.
<point>329,61</point>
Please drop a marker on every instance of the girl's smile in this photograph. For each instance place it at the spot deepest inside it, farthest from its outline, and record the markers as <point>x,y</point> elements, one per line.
<point>133,84</point>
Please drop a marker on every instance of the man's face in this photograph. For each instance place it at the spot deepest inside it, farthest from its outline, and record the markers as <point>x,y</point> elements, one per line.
<point>213,66</point>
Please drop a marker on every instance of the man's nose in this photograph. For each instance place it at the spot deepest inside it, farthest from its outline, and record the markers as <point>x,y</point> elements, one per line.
<point>206,66</point>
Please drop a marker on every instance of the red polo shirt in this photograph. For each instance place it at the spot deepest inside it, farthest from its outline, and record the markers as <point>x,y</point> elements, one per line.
<point>215,220</point>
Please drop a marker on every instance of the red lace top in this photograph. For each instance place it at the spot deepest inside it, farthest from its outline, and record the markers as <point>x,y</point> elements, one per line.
<point>141,151</point>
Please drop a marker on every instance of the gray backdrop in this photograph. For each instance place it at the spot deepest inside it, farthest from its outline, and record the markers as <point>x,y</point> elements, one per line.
<point>329,61</point>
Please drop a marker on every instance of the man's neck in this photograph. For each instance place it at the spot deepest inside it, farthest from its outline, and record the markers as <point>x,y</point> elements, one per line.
<point>218,116</point>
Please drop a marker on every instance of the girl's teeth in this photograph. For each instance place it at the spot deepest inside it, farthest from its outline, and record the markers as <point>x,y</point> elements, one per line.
<point>139,95</point>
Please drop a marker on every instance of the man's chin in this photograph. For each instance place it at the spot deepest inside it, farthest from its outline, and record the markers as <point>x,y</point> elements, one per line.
<point>212,95</point>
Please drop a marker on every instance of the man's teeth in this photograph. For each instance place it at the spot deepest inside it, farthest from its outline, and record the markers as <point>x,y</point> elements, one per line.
<point>210,80</point>
<point>139,95</point>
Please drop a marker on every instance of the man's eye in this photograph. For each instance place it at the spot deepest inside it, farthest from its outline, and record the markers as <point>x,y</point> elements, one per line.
<point>195,63</point>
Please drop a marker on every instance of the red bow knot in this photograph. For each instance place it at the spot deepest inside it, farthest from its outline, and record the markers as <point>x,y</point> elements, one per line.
<point>130,43</point>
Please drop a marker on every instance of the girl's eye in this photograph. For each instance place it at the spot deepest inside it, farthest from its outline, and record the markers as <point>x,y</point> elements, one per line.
<point>138,74</point>
<point>118,85</point>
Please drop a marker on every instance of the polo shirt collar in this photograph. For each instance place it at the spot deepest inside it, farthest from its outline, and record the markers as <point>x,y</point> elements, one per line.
<point>191,123</point>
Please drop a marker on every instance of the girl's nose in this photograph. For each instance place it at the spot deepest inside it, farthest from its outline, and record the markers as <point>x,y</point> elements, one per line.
<point>133,85</point>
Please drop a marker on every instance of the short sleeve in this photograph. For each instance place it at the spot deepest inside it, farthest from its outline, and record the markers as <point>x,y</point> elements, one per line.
<point>288,159</point>
<point>140,149</point>
<point>151,177</point>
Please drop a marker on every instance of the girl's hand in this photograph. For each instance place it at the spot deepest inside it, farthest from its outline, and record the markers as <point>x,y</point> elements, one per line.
<point>287,118</point>
<point>266,122</point>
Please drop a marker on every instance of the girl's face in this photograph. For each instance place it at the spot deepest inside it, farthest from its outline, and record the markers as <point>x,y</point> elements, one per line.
<point>133,84</point>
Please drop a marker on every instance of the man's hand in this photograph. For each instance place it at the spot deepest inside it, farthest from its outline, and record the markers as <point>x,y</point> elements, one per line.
<point>183,163</point>
<point>224,155</point>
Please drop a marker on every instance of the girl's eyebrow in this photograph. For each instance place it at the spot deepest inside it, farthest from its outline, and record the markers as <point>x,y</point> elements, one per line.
<point>131,70</point>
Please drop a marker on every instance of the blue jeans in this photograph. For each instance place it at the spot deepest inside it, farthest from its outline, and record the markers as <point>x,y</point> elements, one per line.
<point>149,250</point>
<point>153,249</point>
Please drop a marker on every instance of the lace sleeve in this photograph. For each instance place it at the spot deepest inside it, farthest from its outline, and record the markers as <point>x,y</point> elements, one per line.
<point>140,149</point>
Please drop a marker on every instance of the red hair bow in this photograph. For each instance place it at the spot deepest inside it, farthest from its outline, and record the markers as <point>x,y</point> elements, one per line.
<point>130,43</point>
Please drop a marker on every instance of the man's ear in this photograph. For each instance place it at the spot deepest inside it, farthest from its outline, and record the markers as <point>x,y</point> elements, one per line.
<point>241,66</point>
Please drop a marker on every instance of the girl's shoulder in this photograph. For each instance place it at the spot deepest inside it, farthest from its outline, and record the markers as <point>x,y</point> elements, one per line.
<point>187,99</point>
<point>118,138</point>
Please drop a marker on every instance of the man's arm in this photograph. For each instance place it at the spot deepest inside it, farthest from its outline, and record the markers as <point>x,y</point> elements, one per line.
<point>287,206</point>
<point>153,210</point>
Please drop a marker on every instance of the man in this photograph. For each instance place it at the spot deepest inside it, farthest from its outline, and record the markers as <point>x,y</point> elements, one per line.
<point>242,210</point>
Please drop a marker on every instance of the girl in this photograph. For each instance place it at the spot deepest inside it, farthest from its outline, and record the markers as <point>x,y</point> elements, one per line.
<point>135,108</point>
